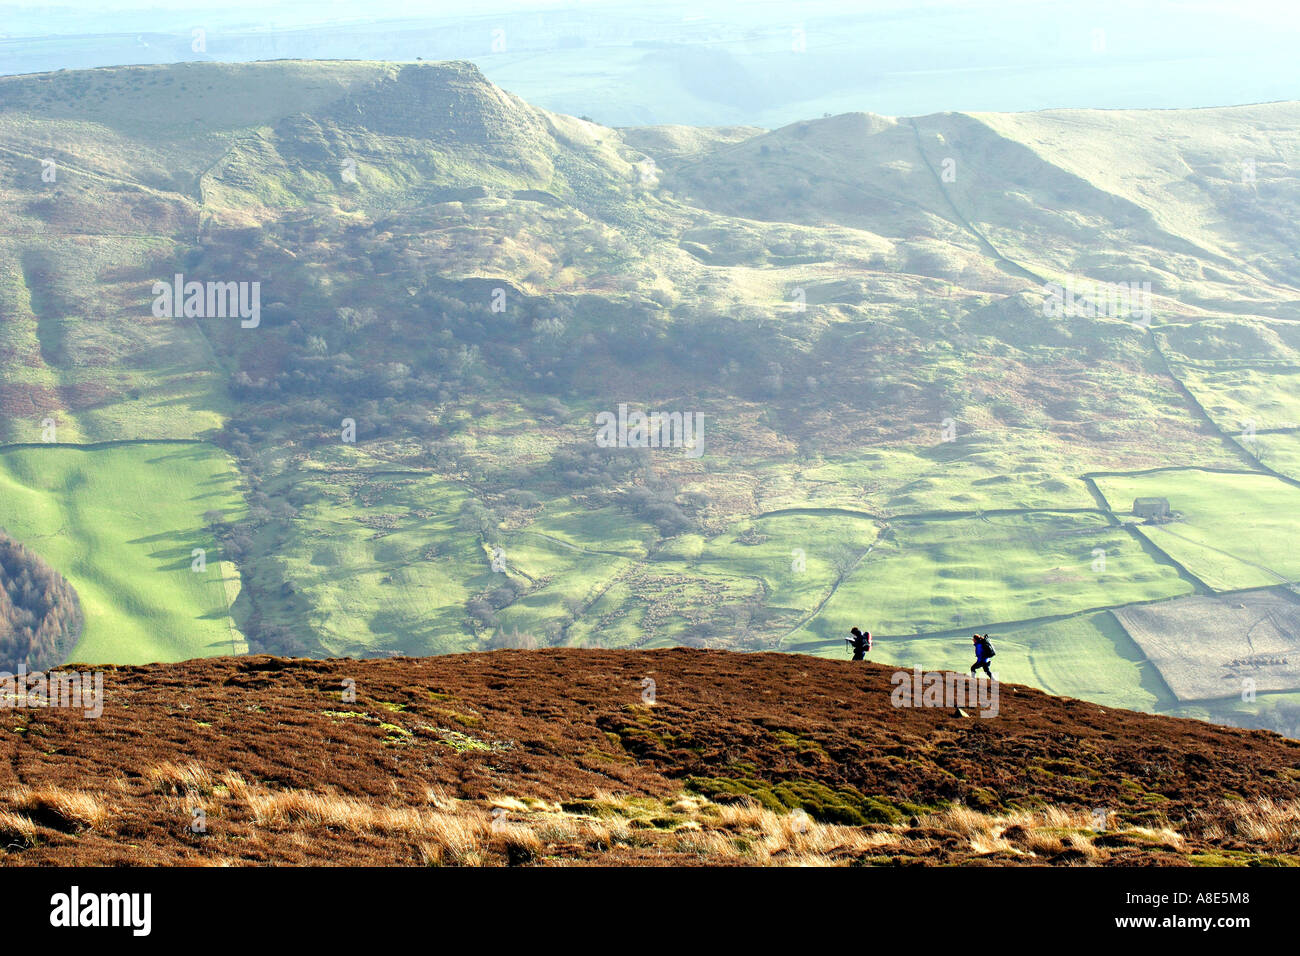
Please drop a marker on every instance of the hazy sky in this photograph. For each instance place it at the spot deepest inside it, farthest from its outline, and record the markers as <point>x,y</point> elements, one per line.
<point>715,62</point>
<point>64,16</point>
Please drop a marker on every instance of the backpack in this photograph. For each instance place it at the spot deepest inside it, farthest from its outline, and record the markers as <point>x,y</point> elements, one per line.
<point>988,647</point>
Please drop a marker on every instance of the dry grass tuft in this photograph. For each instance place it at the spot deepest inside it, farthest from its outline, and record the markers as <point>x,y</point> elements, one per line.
<point>450,839</point>
<point>520,843</point>
<point>439,797</point>
<point>62,809</point>
<point>1272,822</point>
<point>1049,832</point>
<point>178,779</point>
<point>16,831</point>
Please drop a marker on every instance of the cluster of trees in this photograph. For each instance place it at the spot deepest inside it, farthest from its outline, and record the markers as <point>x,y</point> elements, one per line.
<point>627,476</point>
<point>40,615</point>
<point>478,517</point>
<point>583,467</point>
<point>482,608</point>
<point>656,503</point>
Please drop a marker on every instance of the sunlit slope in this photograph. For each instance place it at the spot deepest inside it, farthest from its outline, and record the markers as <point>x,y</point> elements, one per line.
<point>1221,179</point>
<point>79,346</point>
<point>1188,201</point>
<point>122,524</point>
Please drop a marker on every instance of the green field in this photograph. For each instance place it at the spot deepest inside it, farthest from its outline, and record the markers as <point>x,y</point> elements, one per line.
<point>944,575</point>
<point>1241,397</point>
<point>739,589</point>
<point>1087,656</point>
<point>563,577</point>
<point>120,523</point>
<point>1279,451</point>
<point>384,561</point>
<point>796,557</point>
<point>1237,530</point>
<point>358,555</point>
<point>977,472</point>
<point>95,359</point>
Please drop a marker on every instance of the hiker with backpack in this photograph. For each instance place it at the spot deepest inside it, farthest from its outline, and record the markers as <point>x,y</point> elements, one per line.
<point>860,642</point>
<point>983,654</point>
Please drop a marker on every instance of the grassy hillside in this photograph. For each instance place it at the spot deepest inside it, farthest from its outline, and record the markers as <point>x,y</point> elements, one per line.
<point>956,574</point>
<point>121,523</point>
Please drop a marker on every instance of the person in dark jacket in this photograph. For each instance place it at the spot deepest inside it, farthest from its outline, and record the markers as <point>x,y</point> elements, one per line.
<point>983,654</point>
<point>861,643</point>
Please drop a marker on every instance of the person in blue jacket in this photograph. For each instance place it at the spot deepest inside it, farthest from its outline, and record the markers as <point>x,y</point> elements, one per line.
<point>983,654</point>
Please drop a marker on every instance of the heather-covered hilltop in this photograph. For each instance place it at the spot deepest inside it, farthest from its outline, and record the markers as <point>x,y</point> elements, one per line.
<point>651,757</point>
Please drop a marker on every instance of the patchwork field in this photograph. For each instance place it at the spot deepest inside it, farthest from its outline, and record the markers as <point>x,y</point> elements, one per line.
<point>669,604</point>
<point>1085,655</point>
<point>400,561</point>
<point>977,472</point>
<point>735,588</point>
<point>943,575</point>
<point>121,523</point>
<point>1209,647</point>
<point>1237,530</point>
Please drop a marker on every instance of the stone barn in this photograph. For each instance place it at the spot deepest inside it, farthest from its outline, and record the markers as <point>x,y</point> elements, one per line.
<point>1151,507</point>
